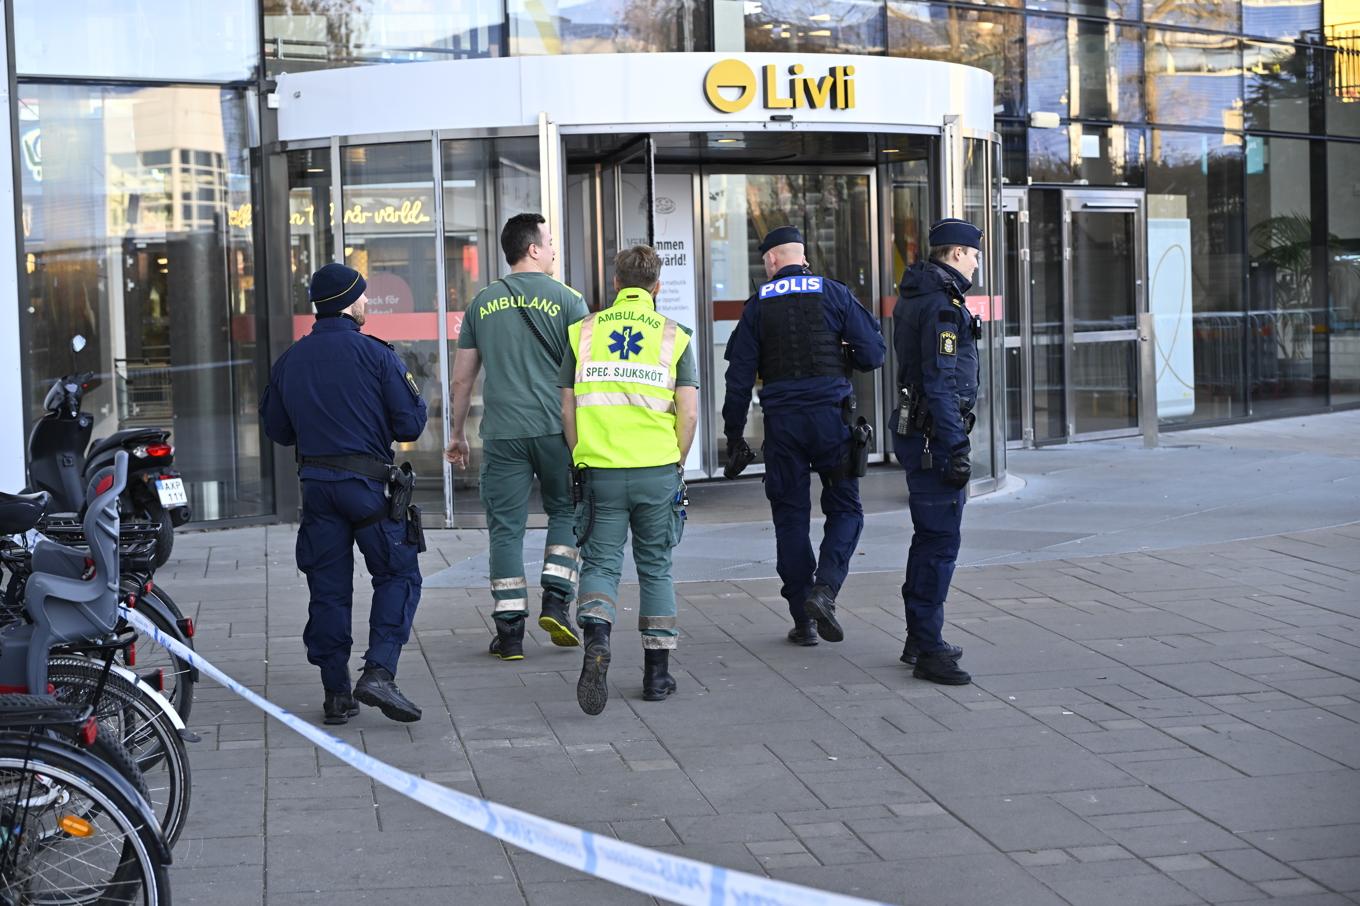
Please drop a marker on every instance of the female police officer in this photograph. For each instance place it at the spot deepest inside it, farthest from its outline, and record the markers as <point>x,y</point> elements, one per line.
<point>937,375</point>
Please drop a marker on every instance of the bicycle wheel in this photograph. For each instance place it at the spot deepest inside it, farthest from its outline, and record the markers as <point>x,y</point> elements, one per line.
<point>176,677</point>
<point>68,834</point>
<point>137,721</point>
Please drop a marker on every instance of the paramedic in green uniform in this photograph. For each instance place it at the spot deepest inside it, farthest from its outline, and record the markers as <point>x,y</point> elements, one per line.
<point>630,401</point>
<point>517,328</point>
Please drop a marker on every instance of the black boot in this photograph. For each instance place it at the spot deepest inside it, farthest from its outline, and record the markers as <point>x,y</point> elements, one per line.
<point>591,690</point>
<point>508,645</point>
<point>377,689</point>
<point>912,650</point>
<point>339,708</point>
<point>939,667</point>
<point>555,618</point>
<point>821,606</point>
<point>804,633</point>
<point>657,682</point>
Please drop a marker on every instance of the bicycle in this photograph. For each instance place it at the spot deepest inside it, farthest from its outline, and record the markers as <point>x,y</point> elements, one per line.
<point>73,828</point>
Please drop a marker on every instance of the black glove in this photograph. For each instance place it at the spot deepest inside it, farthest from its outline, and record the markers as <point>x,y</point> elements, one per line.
<point>969,420</point>
<point>959,469</point>
<point>739,456</point>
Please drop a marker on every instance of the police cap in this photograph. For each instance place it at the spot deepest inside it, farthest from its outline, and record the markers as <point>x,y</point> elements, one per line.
<point>335,288</point>
<point>781,236</point>
<point>953,231</point>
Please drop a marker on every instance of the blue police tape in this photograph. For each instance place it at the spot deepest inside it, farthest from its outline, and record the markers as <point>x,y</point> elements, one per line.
<point>647,871</point>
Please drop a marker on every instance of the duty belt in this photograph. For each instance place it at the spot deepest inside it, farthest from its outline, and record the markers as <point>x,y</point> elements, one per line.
<point>367,466</point>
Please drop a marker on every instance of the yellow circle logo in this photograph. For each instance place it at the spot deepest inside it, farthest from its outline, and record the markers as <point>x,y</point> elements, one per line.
<point>728,75</point>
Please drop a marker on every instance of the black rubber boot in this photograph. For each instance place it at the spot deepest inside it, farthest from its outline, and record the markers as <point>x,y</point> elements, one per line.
<point>821,606</point>
<point>555,618</point>
<point>508,645</point>
<point>912,650</point>
<point>939,667</point>
<point>804,634</point>
<point>377,689</point>
<point>657,682</point>
<point>592,692</point>
<point>339,708</point>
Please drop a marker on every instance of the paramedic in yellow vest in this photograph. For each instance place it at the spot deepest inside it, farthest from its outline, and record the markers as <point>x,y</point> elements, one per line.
<point>630,401</point>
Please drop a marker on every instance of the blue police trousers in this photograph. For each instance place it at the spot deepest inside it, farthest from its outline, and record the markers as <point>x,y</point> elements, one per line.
<point>936,518</point>
<point>616,500</point>
<point>797,444</point>
<point>325,554</point>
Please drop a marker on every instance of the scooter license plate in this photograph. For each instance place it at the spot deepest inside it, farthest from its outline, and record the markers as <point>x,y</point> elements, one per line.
<point>171,492</point>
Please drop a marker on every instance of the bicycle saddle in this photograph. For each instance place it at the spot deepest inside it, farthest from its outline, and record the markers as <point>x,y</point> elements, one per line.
<point>21,512</point>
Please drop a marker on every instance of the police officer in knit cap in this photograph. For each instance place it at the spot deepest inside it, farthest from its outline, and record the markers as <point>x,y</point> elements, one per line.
<point>342,397</point>
<point>935,337</point>
<point>802,334</point>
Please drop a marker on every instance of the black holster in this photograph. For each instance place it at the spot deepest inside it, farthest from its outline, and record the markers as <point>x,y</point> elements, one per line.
<point>415,531</point>
<point>401,488</point>
<point>861,442</point>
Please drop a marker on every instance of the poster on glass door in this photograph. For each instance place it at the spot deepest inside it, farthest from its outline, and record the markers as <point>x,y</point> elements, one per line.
<point>674,242</point>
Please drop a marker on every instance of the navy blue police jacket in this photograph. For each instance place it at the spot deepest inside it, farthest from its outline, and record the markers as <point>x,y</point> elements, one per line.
<point>339,392</point>
<point>936,350</point>
<point>845,318</point>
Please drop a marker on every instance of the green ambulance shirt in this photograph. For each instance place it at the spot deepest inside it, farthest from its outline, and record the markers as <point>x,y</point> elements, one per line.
<point>519,394</point>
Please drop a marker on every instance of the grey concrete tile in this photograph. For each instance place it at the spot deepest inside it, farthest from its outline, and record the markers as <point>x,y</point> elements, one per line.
<point>1026,823</point>
<point>1280,802</point>
<point>1336,874</point>
<point>1113,883</point>
<point>1213,884</point>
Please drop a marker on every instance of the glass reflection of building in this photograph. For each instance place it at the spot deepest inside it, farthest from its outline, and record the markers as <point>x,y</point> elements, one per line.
<point>146,159</point>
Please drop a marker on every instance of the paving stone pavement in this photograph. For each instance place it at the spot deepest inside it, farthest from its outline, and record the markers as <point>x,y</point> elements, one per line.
<point>1177,727</point>
<point>1147,727</point>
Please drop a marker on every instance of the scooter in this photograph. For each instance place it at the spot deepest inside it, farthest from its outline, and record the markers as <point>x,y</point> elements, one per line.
<point>59,463</point>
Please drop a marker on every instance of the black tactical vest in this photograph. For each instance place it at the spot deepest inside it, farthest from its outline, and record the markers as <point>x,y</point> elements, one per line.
<point>794,339</point>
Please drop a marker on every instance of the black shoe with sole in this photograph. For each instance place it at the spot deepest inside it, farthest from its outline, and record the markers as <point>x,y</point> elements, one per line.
<point>657,682</point>
<point>377,689</point>
<point>592,691</point>
<point>339,708</point>
<point>508,645</point>
<point>912,650</point>
<point>555,619</point>
<point>938,667</point>
<point>821,606</point>
<point>804,634</point>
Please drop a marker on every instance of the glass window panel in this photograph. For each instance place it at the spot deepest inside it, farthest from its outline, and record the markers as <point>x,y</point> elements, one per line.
<point>164,293</point>
<point>486,182</point>
<point>1277,86</point>
<point>1293,19</point>
<point>1088,155</point>
<point>1193,79</point>
<point>1341,68</point>
<point>606,26</point>
<point>1107,71</point>
<point>978,194</point>
<point>1111,9</point>
<point>311,241</point>
<point>1214,15</point>
<point>315,34</point>
<point>142,39</point>
<point>1286,330</point>
<point>987,39</point>
<point>1013,163</point>
<point>1046,69</point>
<point>821,26</point>
<point>1194,204</point>
<point>1048,334</point>
<point>388,211</point>
<point>1343,277</point>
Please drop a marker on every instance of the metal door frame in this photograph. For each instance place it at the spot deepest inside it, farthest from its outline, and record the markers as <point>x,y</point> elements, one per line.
<point>1092,201</point>
<point>1015,200</point>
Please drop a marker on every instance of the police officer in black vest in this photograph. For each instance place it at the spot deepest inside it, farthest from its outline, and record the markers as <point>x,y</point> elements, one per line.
<point>935,337</point>
<point>802,333</point>
<point>342,397</point>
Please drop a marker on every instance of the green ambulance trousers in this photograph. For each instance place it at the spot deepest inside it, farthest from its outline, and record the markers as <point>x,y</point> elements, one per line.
<point>507,476</point>
<point>645,501</point>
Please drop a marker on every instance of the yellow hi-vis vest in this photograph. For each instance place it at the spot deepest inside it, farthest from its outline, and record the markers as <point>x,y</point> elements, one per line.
<point>626,357</point>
